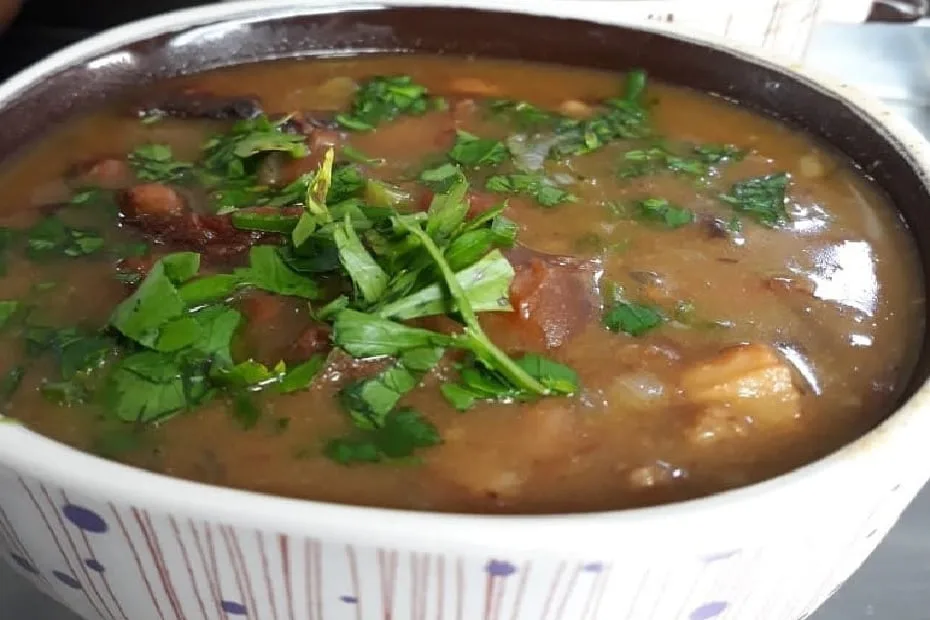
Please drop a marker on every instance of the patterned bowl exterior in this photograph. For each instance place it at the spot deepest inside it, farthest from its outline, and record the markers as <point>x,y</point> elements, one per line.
<point>116,544</point>
<point>108,560</point>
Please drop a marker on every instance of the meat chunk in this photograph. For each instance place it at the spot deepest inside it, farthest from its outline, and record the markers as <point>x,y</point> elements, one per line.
<point>553,298</point>
<point>160,211</point>
<point>106,173</point>
<point>260,307</point>
<point>202,105</point>
<point>152,200</point>
<point>315,339</point>
<point>544,434</point>
<point>740,388</point>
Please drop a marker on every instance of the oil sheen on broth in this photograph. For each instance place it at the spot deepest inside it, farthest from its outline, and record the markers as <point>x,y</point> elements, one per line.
<point>707,297</point>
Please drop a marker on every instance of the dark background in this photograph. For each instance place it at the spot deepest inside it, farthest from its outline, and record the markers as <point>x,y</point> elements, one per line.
<point>44,26</point>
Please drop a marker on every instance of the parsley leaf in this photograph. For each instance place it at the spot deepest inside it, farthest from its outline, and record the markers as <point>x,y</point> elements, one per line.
<point>225,155</point>
<point>763,198</point>
<point>368,277</point>
<point>661,211</point>
<point>542,190</point>
<point>7,309</point>
<point>524,115</point>
<point>632,318</point>
<point>365,335</point>
<point>470,150</point>
<point>486,284</point>
<point>268,272</point>
<point>51,238</point>
<point>382,99</point>
<point>370,400</point>
<point>623,118</point>
<point>150,386</point>
<point>152,305</point>
<point>459,397</point>
<point>155,162</point>
<point>403,432</point>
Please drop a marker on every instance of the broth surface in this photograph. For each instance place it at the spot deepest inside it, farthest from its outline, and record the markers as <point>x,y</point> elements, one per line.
<point>775,345</point>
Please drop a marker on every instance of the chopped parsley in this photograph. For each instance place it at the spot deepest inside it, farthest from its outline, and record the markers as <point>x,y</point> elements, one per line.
<point>539,188</point>
<point>632,318</point>
<point>661,211</point>
<point>696,161</point>
<point>51,238</point>
<point>470,150</point>
<point>382,99</point>
<point>156,162</point>
<point>762,198</point>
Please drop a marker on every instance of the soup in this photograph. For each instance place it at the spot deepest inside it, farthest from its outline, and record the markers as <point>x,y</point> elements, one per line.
<point>450,284</point>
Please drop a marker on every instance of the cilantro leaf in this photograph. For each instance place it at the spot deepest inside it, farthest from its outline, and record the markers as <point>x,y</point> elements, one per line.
<point>473,338</point>
<point>218,325</point>
<point>209,288</point>
<point>663,212</point>
<point>440,178</point>
<point>623,118</point>
<point>524,115</point>
<point>153,304</point>
<point>370,400</point>
<point>470,150</point>
<point>539,188</point>
<point>403,432</point>
<point>486,284</point>
<point>225,155</point>
<point>352,450</point>
<point>632,318</point>
<point>150,386</point>
<point>382,99</point>
<point>156,162</point>
<point>365,335</point>
<point>268,272</point>
<point>558,378</point>
<point>368,277</point>
<point>301,376</point>
<point>50,238</point>
<point>7,309</point>
<point>763,198</point>
<point>459,397</point>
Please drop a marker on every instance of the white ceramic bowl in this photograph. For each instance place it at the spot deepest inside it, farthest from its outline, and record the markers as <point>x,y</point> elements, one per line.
<point>116,543</point>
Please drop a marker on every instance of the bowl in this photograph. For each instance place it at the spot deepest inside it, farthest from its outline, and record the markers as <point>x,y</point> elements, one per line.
<point>116,543</point>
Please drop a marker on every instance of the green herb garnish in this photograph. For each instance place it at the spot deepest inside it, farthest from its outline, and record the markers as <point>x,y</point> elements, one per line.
<point>762,198</point>
<point>382,99</point>
<point>632,318</point>
<point>539,188</point>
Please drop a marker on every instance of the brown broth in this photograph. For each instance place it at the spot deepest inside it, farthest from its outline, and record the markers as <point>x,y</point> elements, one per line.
<point>610,447</point>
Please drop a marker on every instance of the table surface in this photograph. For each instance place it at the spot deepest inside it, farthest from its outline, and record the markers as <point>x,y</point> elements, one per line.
<point>893,63</point>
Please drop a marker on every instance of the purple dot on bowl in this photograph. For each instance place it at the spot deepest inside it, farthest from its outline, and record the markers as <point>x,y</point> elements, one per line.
<point>593,567</point>
<point>85,519</point>
<point>68,580</point>
<point>94,565</point>
<point>233,608</point>
<point>500,568</point>
<point>348,599</point>
<point>24,564</point>
<point>709,610</point>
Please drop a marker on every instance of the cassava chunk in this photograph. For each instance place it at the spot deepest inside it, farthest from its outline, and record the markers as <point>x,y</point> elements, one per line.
<point>740,388</point>
<point>553,297</point>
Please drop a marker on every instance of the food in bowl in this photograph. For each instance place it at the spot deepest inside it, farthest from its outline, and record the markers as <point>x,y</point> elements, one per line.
<point>450,284</point>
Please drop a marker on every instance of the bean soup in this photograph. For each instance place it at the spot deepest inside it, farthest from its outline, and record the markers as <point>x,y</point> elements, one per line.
<point>449,284</point>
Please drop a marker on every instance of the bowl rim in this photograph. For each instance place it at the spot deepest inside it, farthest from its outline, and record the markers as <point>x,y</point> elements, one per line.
<point>724,520</point>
